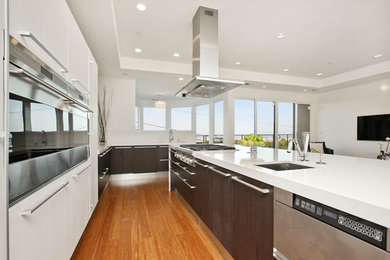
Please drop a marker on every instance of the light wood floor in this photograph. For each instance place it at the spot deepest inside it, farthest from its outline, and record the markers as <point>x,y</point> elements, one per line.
<point>141,219</point>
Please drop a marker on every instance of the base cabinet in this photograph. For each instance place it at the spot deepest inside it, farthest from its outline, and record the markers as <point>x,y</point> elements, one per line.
<point>234,208</point>
<point>252,219</point>
<point>60,212</point>
<point>139,159</point>
<point>220,206</point>
<point>104,170</point>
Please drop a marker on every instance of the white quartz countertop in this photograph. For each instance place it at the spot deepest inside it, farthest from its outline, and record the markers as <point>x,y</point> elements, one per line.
<point>357,186</point>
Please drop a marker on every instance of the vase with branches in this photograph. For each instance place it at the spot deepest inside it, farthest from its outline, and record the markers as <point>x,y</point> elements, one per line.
<point>104,106</point>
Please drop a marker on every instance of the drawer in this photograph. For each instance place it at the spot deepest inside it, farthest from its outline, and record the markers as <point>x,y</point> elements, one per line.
<point>185,172</point>
<point>185,189</point>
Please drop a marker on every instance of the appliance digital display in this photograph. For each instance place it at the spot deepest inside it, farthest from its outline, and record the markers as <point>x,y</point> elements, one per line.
<point>376,127</point>
<point>330,214</point>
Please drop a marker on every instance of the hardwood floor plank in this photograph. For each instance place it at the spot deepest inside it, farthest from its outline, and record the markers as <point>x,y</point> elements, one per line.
<point>141,219</point>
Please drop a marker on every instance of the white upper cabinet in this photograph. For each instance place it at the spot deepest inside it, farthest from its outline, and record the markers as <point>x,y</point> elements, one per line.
<point>41,26</point>
<point>77,57</point>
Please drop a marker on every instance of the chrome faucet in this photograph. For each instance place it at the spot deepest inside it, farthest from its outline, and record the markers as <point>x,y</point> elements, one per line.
<point>171,135</point>
<point>303,154</point>
<point>44,137</point>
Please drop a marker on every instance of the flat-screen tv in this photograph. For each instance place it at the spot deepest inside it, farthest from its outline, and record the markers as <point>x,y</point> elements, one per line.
<point>374,128</point>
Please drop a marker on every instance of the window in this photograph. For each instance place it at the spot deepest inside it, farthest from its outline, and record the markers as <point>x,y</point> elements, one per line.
<point>43,117</point>
<point>136,119</point>
<point>181,118</point>
<point>16,116</point>
<point>285,124</point>
<point>65,118</point>
<point>154,119</point>
<point>202,124</point>
<point>244,118</point>
<point>218,122</point>
<point>265,122</point>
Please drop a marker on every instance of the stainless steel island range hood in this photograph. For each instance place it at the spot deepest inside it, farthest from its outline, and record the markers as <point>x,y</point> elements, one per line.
<point>205,54</point>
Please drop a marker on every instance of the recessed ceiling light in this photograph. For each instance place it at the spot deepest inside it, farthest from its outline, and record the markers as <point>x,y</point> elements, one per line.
<point>205,95</point>
<point>237,62</point>
<point>384,87</point>
<point>378,55</point>
<point>222,87</point>
<point>141,7</point>
<point>137,50</point>
<point>264,86</point>
<point>181,79</point>
<point>286,69</point>
<point>176,54</point>
<point>305,90</point>
<point>319,74</point>
<point>280,35</point>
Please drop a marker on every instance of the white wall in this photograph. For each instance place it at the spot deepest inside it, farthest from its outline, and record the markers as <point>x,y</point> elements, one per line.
<point>336,114</point>
<point>121,116</point>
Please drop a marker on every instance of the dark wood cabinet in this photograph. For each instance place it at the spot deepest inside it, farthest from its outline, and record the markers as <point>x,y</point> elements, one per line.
<point>104,169</point>
<point>252,219</point>
<point>220,205</point>
<point>122,160</point>
<point>201,193</point>
<point>163,158</point>
<point>145,159</point>
<point>139,159</point>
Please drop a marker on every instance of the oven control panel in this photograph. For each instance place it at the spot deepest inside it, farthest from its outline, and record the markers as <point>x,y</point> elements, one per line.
<point>355,226</point>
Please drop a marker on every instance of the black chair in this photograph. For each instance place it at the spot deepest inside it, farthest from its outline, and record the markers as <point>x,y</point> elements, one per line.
<point>325,149</point>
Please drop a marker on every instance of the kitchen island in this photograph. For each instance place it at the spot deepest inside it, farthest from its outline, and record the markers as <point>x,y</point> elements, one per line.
<point>357,187</point>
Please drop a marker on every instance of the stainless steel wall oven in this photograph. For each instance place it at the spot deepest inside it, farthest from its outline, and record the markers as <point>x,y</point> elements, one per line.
<point>48,124</point>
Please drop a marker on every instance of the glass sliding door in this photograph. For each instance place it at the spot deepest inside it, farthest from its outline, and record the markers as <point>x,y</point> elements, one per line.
<point>181,118</point>
<point>244,118</point>
<point>218,122</point>
<point>202,124</point>
<point>285,124</point>
<point>265,122</point>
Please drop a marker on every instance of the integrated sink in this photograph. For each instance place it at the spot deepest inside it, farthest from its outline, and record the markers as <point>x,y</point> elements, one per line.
<point>283,166</point>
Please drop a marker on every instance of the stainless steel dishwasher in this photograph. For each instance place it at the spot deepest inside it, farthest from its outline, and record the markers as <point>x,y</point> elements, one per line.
<point>306,229</point>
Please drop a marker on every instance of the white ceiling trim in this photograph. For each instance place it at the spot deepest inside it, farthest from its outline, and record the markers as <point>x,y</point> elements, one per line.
<point>369,71</point>
<point>148,65</point>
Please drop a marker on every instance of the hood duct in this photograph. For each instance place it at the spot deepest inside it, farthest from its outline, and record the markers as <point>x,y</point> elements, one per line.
<point>205,58</point>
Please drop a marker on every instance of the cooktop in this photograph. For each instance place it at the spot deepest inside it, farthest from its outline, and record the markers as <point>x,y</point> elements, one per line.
<point>206,147</point>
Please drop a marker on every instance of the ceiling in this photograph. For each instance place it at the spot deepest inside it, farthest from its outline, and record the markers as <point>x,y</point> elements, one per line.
<point>330,37</point>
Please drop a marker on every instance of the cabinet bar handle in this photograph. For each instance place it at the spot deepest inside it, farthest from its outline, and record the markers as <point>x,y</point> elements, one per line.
<point>28,34</point>
<point>217,171</point>
<point>164,160</point>
<point>50,87</point>
<point>164,146</point>
<point>83,170</point>
<point>104,174</point>
<point>31,211</point>
<point>235,178</point>
<point>184,180</point>
<point>79,82</point>
<point>184,168</point>
<point>203,165</point>
<point>105,152</point>
<point>145,147</point>
<point>123,147</point>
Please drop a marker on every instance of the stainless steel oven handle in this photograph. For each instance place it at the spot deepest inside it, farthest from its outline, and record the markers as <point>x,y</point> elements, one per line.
<point>145,147</point>
<point>265,191</point>
<point>184,168</point>
<point>217,171</point>
<point>203,165</point>
<point>104,174</point>
<point>183,180</point>
<point>29,34</point>
<point>31,211</point>
<point>83,170</point>
<point>48,86</point>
